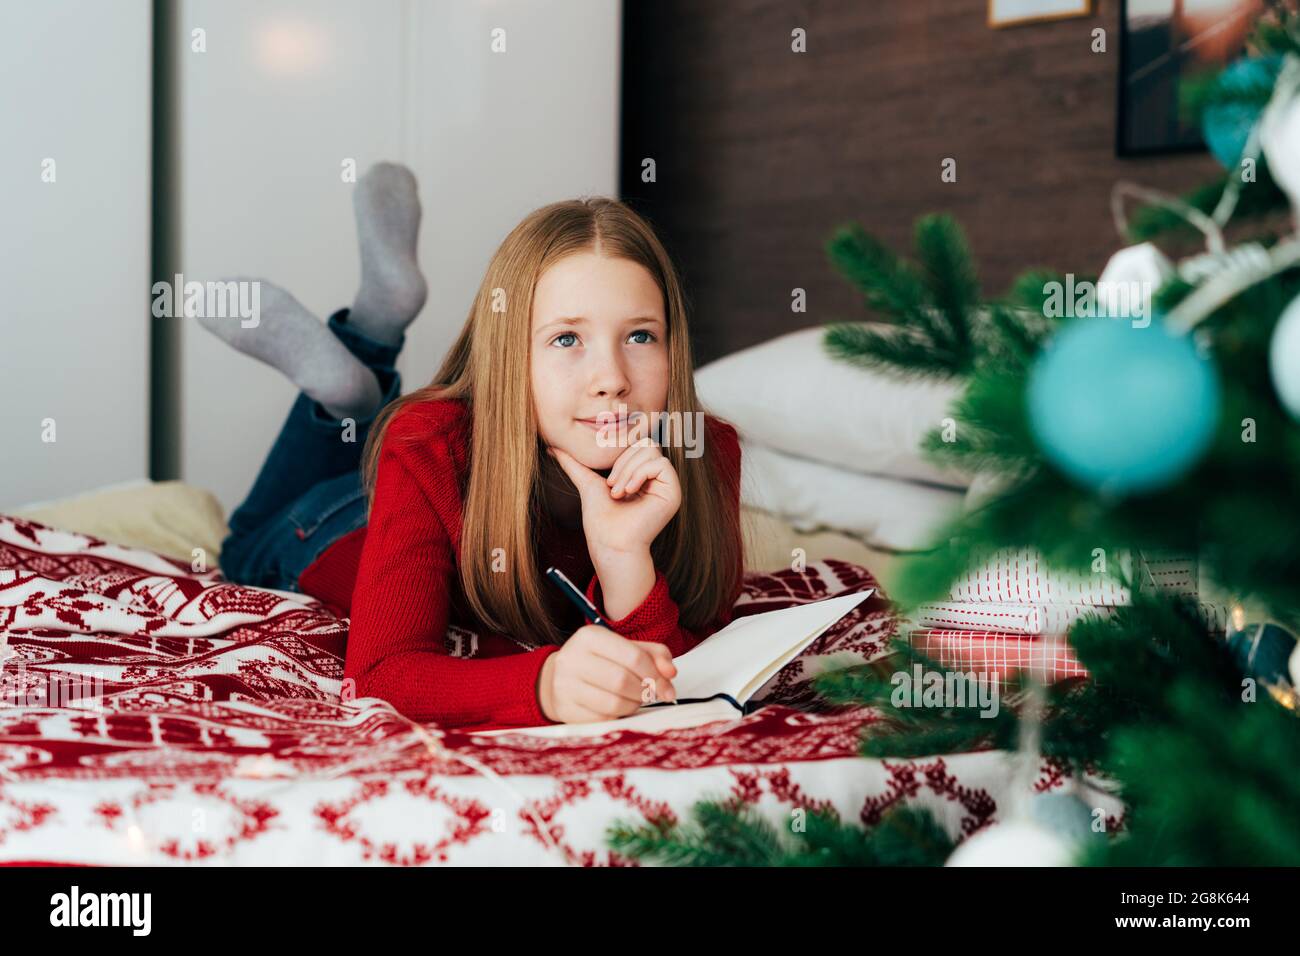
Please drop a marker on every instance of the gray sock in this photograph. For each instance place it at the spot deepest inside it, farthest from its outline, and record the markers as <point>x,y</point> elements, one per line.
<point>297,343</point>
<point>392,289</point>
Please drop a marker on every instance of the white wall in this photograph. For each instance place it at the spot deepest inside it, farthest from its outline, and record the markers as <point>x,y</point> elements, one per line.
<point>287,90</point>
<point>74,253</point>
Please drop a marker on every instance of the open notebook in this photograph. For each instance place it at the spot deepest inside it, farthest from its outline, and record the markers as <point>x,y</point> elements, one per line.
<point>716,680</point>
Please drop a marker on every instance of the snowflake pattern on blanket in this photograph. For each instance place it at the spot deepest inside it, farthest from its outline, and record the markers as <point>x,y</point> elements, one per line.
<point>153,714</point>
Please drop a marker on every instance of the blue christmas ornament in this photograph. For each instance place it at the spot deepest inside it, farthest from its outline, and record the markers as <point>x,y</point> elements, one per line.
<point>1246,86</point>
<point>1122,408</point>
<point>1265,652</point>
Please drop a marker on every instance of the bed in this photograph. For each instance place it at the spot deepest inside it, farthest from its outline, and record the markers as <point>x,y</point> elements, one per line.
<point>153,713</point>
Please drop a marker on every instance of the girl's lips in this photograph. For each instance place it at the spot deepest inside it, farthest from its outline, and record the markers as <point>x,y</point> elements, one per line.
<point>598,425</point>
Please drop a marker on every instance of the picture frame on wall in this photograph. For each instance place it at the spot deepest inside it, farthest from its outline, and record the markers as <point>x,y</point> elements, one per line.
<point>1013,13</point>
<point>1165,45</point>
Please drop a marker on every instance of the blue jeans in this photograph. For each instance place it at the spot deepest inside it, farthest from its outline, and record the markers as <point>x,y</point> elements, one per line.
<point>308,493</point>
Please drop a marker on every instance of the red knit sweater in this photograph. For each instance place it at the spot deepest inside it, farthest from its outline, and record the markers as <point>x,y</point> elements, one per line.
<point>397,580</point>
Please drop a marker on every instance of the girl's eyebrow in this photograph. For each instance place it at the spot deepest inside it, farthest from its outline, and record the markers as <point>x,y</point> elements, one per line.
<point>582,320</point>
<point>563,320</point>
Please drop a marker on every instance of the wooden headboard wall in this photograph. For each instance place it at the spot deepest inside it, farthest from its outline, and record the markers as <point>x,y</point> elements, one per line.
<point>761,152</point>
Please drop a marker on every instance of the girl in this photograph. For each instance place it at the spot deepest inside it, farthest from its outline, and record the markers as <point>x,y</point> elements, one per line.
<point>429,518</point>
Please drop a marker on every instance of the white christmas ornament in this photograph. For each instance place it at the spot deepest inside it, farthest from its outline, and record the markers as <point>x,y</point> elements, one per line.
<point>1279,138</point>
<point>1284,358</point>
<point>1129,280</point>
<point>1015,843</point>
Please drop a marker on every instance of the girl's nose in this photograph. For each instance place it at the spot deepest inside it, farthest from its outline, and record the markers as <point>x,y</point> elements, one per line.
<point>607,388</point>
<point>609,379</point>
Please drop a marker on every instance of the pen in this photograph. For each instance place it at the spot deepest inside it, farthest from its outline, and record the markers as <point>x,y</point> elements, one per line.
<point>577,597</point>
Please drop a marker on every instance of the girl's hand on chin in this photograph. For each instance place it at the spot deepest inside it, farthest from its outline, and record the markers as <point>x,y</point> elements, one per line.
<point>627,510</point>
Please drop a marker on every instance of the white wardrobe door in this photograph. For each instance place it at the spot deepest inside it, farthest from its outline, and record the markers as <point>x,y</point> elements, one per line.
<point>74,251</point>
<point>287,92</point>
<point>282,94</point>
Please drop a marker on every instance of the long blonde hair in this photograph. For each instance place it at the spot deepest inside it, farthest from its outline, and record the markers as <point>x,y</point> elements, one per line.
<point>487,367</point>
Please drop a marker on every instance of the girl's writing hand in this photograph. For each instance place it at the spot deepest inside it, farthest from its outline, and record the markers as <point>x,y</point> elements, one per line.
<point>601,675</point>
<point>625,512</point>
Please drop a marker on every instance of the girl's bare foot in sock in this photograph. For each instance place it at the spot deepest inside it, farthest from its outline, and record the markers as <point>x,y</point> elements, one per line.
<point>291,339</point>
<point>392,289</point>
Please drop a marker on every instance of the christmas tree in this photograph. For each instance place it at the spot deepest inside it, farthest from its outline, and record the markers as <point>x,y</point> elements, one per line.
<point>1099,425</point>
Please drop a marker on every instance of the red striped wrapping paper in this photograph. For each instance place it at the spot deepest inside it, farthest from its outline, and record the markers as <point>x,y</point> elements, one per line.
<point>1001,653</point>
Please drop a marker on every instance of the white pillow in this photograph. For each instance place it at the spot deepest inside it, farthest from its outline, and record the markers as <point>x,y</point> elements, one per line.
<point>886,513</point>
<point>790,395</point>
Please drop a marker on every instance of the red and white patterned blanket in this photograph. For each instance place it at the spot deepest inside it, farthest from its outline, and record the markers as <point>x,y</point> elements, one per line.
<point>150,714</point>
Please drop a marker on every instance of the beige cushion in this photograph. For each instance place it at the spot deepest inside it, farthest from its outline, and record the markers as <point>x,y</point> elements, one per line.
<point>168,517</point>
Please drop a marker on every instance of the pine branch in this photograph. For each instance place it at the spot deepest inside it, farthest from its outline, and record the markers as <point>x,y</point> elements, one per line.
<point>991,427</point>
<point>951,279</point>
<point>1074,715</point>
<point>909,837</point>
<point>931,305</point>
<point>724,833</point>
<point>1030,289</point>
<point>889,285</point>
<point>1214,785</point>
<point>899,351</point>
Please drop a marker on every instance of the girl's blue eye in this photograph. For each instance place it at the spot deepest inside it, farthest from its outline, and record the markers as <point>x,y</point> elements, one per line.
<point>563,335</point>
<point>645,332</point>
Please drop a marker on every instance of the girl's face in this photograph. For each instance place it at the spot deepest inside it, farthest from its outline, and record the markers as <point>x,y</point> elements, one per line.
<point>598,343</point>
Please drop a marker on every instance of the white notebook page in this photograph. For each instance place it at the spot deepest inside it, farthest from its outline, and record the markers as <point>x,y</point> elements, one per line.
<point>740,659</point>
<point>743,656</point>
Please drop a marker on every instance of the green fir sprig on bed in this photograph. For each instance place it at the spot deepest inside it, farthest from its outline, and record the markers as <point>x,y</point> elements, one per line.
<point>725,833</point>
